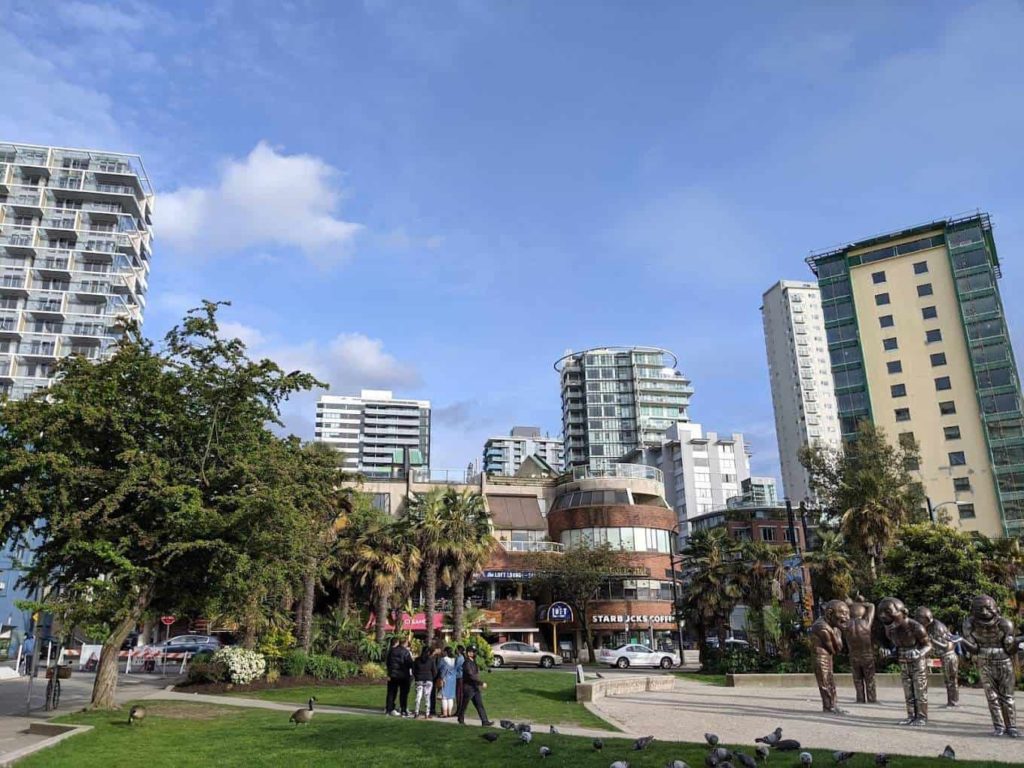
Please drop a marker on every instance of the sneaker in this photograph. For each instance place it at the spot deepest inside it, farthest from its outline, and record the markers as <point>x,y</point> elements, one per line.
<point>1013,733</point>
<point>406,714</point>
<point>487,723</point>
<point>394,713</point>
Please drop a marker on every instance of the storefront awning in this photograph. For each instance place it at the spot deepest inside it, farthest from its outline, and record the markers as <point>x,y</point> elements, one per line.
<point>516,513</point>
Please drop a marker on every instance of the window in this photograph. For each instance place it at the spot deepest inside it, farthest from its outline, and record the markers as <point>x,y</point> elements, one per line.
<point>929,313</point>
<point>902,414</point>
<point>920,267</point>
<point>907,441</point>
<point>939,358</point>
<point>957,459</point>
<point>767,534</point>
<point>925,289</point>
<point>890,344</point>
<point>898,390</point>
<point>951,433</point>
<point>942,383</point>
<point>933,335</point>
<point>877,277</point>
<point>961,484</point>
<point>947,408</point>
<point>966,511</point>
<point>881,299</point>
<point>886,321</point>
<point>894,366</point>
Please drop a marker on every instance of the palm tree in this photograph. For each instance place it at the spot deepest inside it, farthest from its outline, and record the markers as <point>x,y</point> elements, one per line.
<point>470,541</point>
<point>830,567</point>
<point>427,514</point>
<point>1004,564</point>
<point>712,591</point>
<point>759,576</point>
<point>870,527</point>
<point>383,557</point>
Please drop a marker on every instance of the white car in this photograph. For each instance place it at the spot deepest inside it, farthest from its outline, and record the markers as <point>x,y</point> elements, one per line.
<point>638,656</point>
<point>521,653</point>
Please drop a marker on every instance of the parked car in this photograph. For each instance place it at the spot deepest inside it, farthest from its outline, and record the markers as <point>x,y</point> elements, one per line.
<point>188,644</point>
<point>521,653</point>
<point>637,656</point>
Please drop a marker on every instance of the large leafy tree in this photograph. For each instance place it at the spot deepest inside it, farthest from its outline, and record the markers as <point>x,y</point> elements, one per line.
<point>128,473</point>
<point>830,567</point>
<point>711,588</point>
<point>868,489</point>
<point>470,541</point>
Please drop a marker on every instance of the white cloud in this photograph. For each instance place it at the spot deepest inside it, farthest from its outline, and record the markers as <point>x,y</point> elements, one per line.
<point>266,199</point>
<point>98,17</point>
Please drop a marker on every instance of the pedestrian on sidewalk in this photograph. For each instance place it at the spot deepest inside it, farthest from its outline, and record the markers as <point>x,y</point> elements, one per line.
<point>399,667</point>
<point>472,687</point>
<point>28,649</point>
<point>423,673</point>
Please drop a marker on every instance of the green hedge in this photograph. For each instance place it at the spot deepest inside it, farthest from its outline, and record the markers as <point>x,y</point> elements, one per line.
<point>318,665</point>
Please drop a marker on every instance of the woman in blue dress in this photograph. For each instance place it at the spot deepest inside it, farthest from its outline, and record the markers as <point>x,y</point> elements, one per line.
<point>447,674</point>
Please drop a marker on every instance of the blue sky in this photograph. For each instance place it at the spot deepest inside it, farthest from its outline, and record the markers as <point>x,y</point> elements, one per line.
<point>442,197</point>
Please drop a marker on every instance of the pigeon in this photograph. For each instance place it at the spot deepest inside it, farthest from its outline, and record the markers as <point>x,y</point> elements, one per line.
<point>806,758</point>
<point>598,744</point>
<point>490,736</point>
<point>521,727</point>
<point>840,758</point>
<point>619,764</point>
<point>726,764</point>
<point>771,739</point>
<point>599,676</point>
<point>508,725</point>
<point>721,754</point>
<point>881,759</point>
<point>525,736</point>
<point>787,745</point>
<point>545,752</point>
<point>676,764</point>
<point>642,742</point>
<point>554,730</point>
<point>762,752</point>
<point>710,762</point>
<point>711,739</point>
<point>948,753</point>
<point>745,760</point>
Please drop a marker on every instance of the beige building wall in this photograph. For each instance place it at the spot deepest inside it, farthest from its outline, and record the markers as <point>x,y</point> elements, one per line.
<point>918,375</point>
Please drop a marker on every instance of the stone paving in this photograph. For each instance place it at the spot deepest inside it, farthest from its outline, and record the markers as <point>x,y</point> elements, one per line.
<point>738,715</point>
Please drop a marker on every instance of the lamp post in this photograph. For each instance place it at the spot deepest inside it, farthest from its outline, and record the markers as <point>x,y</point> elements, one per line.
<point>791,519</point>
<point>673,545</point>
<point>933,508</point>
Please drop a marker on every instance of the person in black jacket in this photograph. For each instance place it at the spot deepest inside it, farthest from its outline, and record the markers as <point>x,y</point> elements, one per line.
<point>399,666</point>
<point>424,670</point>
<point>472,686</point>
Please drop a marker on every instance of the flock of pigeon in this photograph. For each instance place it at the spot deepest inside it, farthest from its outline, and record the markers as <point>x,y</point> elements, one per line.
<point>717,757</point>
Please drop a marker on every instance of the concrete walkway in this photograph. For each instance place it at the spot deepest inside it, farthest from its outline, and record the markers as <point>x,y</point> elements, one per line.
<point>739,715</point>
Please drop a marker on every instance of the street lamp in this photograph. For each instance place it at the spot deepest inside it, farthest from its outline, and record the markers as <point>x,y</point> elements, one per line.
<point>932,508</point>
<point>673,545</point>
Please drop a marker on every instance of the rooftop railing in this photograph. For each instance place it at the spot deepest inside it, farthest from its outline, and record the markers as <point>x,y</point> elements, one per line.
<point>625,471</point>
<point>531,546</point>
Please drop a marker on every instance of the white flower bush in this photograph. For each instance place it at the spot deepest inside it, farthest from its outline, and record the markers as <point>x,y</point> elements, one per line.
<point>243,665</point>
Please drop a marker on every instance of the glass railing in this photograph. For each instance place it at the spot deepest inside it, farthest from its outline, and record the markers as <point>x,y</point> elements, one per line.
<point>531,546</point>
<point>625,471</point>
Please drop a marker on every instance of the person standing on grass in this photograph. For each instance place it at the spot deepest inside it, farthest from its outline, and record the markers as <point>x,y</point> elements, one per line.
<point>447,677</point>
<point>460,661</point>
<point>399,666</point>
<point>423,672</point>
<point>472,687</point>
<point>435,656</point>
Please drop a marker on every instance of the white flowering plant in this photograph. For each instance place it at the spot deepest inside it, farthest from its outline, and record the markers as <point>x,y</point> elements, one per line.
<point>242,665</point>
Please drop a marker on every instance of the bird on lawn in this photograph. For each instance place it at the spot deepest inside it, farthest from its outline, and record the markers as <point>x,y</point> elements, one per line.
<point>525,736</point>
<point>508,725</point>
<point>545,752</point>
<point>303,715</point>
<point>721,754</point>
<point>771,739</point>
<point>787,745</point>
<point>806,758</point>
<point>711,739</point>
<point>490,736</point>
<point>521,727</point>
<point>881,759</point>
<point>554,730</point>
<point>840,758</point>
<point>726,764</point>
<point>619,764</point>
<point>948,753</point>
<point>598,744</point>
<point>136,714</point>
<point>642,742</point>
<point>745,760</point>
<point>762,752</point>
<point>676,764</point>
<point>710,761</point>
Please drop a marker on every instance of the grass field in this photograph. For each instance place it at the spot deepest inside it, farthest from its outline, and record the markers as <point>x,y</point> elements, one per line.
<point>181,735</point>
<point>521,695</point>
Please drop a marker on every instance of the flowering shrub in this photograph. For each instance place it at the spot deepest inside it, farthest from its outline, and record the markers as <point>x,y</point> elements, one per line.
<point>243,666</point>
<point>373,671</point>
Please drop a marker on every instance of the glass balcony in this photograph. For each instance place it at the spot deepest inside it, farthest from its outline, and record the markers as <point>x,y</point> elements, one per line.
<point>53,263</point>
<point>531,546</point>
<point>625,471</point>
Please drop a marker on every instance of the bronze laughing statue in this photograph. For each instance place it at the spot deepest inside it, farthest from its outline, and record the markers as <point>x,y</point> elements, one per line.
<point>989,637</point>
<point>827,641</point>
<point>944,647</point>
<point>912,648</point>
<point>862,650</point>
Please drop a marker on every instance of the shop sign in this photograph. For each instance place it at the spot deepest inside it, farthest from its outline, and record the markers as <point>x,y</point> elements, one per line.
<point>559,612</point>
<point>605,618</point>
<point>632,571</point>
<point>508,575</point>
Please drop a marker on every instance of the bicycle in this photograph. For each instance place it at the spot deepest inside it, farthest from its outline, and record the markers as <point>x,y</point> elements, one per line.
<point>53,693</point>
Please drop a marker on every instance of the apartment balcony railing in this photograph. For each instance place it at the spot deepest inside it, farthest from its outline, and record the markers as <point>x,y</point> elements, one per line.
<point>625,471</point>
<point>444,476</point>
<point>531,546</point>
<point>56,263</point>
<point>55,305</point>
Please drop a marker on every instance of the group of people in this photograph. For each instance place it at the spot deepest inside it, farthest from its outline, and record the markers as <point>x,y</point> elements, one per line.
<point>987,635</point>
<point>449,675</point>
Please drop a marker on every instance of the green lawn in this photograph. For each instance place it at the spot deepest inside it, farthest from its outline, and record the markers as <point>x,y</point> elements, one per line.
<point>179,735</point>
<point>702,677</point>
<point>521,695</point>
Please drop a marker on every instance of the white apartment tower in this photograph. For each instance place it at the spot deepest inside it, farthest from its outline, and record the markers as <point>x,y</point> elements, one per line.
<point>74,257</point>
<point>504,455</point>
<point>803,393</point>
<point>377,432</point>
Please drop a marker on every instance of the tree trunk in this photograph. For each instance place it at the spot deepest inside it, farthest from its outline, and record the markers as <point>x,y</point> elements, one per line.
<point>430,588</point>
<point>381,610</point>
<point>458,603</point>
<point>588,636</point>
<point>345,597</point>
<point>305,624</point>
<point>104,686</point>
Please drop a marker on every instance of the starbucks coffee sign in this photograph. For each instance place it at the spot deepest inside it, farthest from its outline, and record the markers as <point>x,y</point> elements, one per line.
<point>612,618</point>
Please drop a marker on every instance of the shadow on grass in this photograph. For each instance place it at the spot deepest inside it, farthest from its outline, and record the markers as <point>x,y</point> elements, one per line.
<point>559,696</point>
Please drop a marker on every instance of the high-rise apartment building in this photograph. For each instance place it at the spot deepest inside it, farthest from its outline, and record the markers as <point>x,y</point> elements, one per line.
<point>378,433</point>
<point>919,345</point>
<point>803,394</point>
<point>756,491</point>
<point>615,399</point>
<point>74,257</point>
<point>504,455</point>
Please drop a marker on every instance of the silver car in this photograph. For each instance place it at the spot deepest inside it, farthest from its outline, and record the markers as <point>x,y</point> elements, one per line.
<point>521,653</point>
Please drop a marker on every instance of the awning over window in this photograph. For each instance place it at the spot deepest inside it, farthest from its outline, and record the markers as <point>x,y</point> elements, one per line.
<point>516,513</point>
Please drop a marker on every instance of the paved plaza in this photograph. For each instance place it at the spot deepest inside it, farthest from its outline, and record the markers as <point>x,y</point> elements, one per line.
<point>738,715</point>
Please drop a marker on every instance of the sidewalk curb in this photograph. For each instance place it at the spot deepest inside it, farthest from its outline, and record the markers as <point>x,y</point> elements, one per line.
<point>70,730</point>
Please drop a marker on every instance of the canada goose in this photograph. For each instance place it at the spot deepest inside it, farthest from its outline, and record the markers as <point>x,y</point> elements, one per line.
<point>303,715</point>
<point>136,714</point>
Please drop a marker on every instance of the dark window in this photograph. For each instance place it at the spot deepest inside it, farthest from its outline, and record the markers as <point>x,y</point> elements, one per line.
<point>898,390</point>
<point>907,440</point>
<point>961,484</point>
<point>920,267</point>
<point>925,289</point>
<point>942,383</point>
<point>947,408</point>
<point>983,329</point>
<point>886,321</point>
<point>995,377</point>
<point>1004,403</point>
<point>890,343</point>
<point>902,414</point>
<point>767,534</point>
<point>894,366</point>
<point>966,511</point>
<point>939,358</point>
<point>877,277</point>
<point>957,459</point>
<point>933,335</point>
<point>881,298</point>
<point>951,433</point>
<point>929,313</point>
